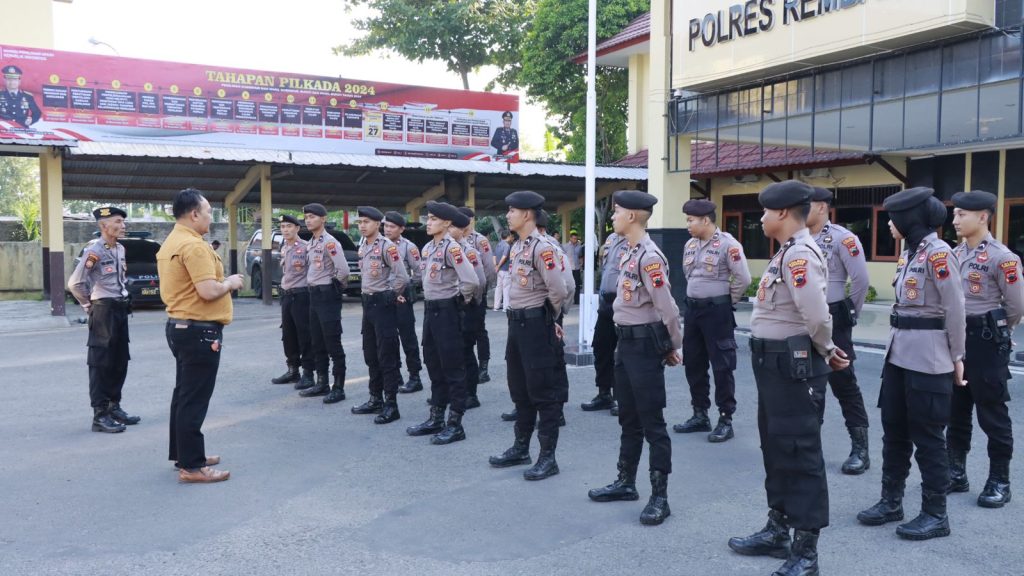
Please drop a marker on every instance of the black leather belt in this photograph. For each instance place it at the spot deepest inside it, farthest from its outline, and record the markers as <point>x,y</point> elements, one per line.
<point>452,302</point>
<point>708,302</point>
<point>977,321</point>
<point>916,322</point>
<point>106,301</point>
<point>765,346</point>
<point>526,314</point>
<point>197,323</point>
<point>635,332</point>
<point>290,291</point>
<point>379,296</point>
<point>322,288</point>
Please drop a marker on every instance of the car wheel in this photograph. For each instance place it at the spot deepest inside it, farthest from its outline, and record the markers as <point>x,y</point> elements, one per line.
<point>257,282</point>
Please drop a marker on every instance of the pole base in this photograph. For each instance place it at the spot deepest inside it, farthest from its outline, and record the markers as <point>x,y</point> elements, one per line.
<point>579,356</point>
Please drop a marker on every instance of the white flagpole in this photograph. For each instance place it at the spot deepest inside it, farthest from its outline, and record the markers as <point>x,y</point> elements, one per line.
<point>588,301</point>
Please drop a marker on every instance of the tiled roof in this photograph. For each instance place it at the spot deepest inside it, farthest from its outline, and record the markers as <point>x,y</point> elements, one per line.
<point>639,30</point>
<point>736,159</point>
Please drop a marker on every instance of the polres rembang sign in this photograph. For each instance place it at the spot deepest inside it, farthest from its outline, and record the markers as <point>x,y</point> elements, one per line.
<point>52,96</point>
<point>756,17</point>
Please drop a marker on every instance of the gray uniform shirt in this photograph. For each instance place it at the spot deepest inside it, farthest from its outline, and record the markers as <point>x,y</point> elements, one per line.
<point>614,247</point>
<point>990,273</point>
<point>100,273</point>
<point>928,285</point>
<point>446,271</point>
<point>535,274</point>
<point>380,267</point>
<point>791,295</point>
<point>478,268</point>
<point>643,294</point>
<point>483,247</point>
<point>293,264</point>
<point>845,256</point>
<point>326,261</point>
<point>715,267</point>
<point>410,256</point>
<point>565,267</point>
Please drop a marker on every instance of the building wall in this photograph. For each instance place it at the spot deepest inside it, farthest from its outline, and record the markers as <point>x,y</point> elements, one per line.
<point>639,80</point>
<point>28,23</point>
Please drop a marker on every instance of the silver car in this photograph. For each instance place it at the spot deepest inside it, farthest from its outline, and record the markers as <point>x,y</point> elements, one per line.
<point>254,260</point>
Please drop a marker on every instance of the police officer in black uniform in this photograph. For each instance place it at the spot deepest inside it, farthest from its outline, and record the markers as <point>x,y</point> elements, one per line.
<point>295,307</point>
<point>505,140</point>
<point>409,253</point>
<point>16,104</point>
<point>605,339</point>
<point>98,283</point>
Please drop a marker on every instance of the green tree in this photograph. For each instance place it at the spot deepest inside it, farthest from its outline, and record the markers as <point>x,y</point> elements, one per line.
<point>19,183</point>
<point>464,34</point>
<point>543,67</point>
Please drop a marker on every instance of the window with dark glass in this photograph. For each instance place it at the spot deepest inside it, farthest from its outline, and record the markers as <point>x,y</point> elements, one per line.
<point>828,90</point>
<point>960,64</point>
<point>922,71</point>
<point>885,245</point>
<point>1000,57</point>
<point>858,221</point>
<point>856,84</point>
<point>755,244</point>
<point>1009,13</point>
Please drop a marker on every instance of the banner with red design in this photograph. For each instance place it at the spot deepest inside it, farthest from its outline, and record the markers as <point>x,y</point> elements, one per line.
<point>54,95</point>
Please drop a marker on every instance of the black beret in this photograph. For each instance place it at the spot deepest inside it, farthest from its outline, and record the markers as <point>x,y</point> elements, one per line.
<point>506,114</point>
<point>290,219</point>
<point>467,211</point>
<point>370,212</point>
<point>395,218</point>
<point>785,194</point>
<point>907,199</point>
<point>314,208</point>
<point>975,200</point>
<point>460,219</point>
<point>822,195</point>
<point>524,200</point>
<point>698,207</point>
<point>635,200</point>
<point>443,210</point>
<point>543,218</point>
<point>108,211</point>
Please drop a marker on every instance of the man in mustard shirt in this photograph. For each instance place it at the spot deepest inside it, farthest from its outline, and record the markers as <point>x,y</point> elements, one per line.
<point>198,300</point>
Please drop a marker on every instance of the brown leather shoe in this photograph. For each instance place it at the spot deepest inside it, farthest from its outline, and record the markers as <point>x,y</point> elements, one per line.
<point>210,461</point>
<point>204,475</point>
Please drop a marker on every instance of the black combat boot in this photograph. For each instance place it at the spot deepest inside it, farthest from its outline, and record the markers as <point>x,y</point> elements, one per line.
<point>958,481</point>
<point>306,381</point>
<point>546,465</point>
<point>561,419</point>
<point>292,375</point>
<point>510,416</point>
<point>390,412</point>
<point>433,424</point>
<point>321,388</point>
<point>932,522</point>
<point>337,393</point>
<point>772,540</point>
<point>723,431</point>
<point>518,454</point>
<point>413,384</point>
<point>453,431</point>
<point>485,376</point>
<point>623,488</point>
<point>615,410</point>
<point>120,416</point>
<point>102,422</point>
<point>889,508</point>
<point>997,489</point>
<point>472,402</point>
<point>859,460</point>
<point>375,405</point>
<point>657,506</point>
<point>699,422</point>
<point>803,557</point>
<point>603,401</point>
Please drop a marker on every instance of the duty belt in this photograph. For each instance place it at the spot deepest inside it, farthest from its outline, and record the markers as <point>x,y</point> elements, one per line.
<point>197,323</point>
<point>708,302</point>
<point>635,332</point>
<point>764,346</point>
<point>977,321</point>
<point>322,288</point>
<point>452,302</point>
<point>526,314</point>
<point>916,322</point>
<point>104,301</point>
<point>298,290</point>
<point>378,296</point>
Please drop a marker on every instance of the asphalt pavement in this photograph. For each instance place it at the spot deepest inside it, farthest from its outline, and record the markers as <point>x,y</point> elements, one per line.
<point>318,490</point>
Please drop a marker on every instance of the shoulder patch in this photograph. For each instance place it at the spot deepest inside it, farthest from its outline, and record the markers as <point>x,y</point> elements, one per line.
<point>332,248</point>
<point>652,267</point>
<point>1008,264</point>
<point>940,266</point>
<point>851,245</point>
<point>393,252</point>
<point>734,254</point>
<point>472,258</point>
<point>456,252</point>
<point>799,277</point>
<point>657,276</point>
<point>485,244</point>
<point>91,260</point>
<point>549,259</point>
<point>415,252</point>
<point>797,263</point>
<point>938,256</point>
